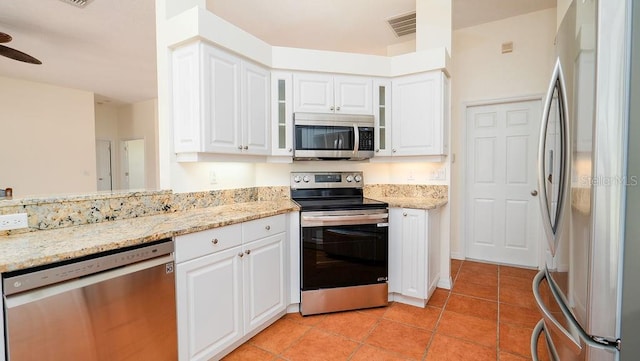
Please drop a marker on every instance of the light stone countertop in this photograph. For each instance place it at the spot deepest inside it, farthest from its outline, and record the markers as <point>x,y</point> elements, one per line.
<point>427,203</point>
<point>37,248</point>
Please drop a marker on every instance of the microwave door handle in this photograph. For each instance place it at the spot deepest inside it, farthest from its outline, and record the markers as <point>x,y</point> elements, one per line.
<point>356,133</point>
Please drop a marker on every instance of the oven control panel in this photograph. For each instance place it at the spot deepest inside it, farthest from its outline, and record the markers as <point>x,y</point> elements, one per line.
<point>300,180</point>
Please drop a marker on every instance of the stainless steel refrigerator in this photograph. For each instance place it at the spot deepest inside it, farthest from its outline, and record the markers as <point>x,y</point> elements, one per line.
<point>589,168</point>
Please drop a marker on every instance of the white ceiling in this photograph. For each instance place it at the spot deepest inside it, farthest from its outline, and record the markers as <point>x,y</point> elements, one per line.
<point>109,47</point>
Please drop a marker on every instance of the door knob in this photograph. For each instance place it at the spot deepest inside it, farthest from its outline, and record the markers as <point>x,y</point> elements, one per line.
<point>534,192</point>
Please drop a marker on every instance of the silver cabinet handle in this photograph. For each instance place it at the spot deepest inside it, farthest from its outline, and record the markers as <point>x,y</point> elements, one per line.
<point>393,150</point>
<point>534,192</point>
<point>332,108</point>
<point>290,150</point>
<point>338,108</point>
<point>247,251</point>
<point>377,150</point>
<point>245,147</point>
<point>240,147</point>
<point>404,214</point>
<point>240,254</point>
<point>214,241</point>
<point>268,228</point>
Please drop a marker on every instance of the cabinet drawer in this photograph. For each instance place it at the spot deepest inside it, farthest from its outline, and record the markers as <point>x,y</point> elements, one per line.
<point>193,245</point>
<point>263,227</point>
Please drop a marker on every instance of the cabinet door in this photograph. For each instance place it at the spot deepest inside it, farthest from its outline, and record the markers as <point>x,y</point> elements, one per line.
<point>281,113</point>
<point>382,114</point>
<point>417,115</point>
<point>313,93</point>
<point>395,250</point>
<point>185,77</point>
<point>353,95</point>
<point>414,248</point>
<point>256,114</point>
<point>433,250</point>
<point>264,283</point>
<point>209,304</point>
<point>221,76</point>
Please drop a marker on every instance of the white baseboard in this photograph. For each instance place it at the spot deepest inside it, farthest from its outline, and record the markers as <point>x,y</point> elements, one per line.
<point>457,255</point>
<point>293,308</point>
<point>417,302</point>
<point>445,283</point>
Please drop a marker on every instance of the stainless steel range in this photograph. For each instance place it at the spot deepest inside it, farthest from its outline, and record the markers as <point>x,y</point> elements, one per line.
<point>344,243</point>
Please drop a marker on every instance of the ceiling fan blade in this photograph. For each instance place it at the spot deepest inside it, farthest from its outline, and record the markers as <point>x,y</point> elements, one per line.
<point>18,55</point>
<point>5,38</point>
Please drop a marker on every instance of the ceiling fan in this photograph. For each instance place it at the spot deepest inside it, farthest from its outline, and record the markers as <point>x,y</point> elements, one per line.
<point>13,53</point>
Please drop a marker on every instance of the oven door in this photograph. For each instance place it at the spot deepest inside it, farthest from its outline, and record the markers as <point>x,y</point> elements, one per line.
<point>344,248</point>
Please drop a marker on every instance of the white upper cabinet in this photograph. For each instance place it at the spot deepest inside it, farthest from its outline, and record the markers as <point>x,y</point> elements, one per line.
<point>323,93</point>
<point>256,115</point>
<point>281,114</point>
<point>221,103</point>
<point>221,93</point>
<point>382,114</point>
<point>420,114</point>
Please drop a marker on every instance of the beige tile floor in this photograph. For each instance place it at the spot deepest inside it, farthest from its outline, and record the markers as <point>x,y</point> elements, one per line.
<point>488,315</point>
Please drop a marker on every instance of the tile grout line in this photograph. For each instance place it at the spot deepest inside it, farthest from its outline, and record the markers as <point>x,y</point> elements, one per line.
<point>361,343</point>
<point>435,327</point>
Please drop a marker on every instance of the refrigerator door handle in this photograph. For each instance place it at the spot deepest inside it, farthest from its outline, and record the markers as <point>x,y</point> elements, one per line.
<point>537,331</point>
<point>552,227</point>
<point>555,326</point>
<point>549,320</point>
<point>591,340</point>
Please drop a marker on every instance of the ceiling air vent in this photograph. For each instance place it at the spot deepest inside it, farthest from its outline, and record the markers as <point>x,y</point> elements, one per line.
<point>404,24</point>
<point>78,3</point>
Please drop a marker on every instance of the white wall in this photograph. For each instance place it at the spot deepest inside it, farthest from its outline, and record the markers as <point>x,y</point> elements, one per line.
<point>128,122</point>
<point>481,73</point>
<point>140,121</point>
<point>48,139</point>
<point>106,120</point>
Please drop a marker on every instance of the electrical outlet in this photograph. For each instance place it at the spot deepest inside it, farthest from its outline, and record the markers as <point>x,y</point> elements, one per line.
<point>13,221</point>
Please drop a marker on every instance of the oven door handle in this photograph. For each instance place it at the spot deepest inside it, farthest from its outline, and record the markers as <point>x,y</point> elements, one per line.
<point>381,219</point>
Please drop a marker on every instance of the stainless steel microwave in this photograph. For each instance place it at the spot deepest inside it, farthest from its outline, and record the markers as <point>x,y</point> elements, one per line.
<point>333,136</point>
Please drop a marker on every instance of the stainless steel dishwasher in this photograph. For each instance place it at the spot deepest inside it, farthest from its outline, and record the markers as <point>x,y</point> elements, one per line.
<point>117,305</point>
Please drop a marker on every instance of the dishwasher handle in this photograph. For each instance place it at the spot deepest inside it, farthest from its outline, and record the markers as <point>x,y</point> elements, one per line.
<point>19,299</point>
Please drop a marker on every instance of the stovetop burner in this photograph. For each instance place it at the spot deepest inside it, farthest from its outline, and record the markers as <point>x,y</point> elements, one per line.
<point>315,191</point>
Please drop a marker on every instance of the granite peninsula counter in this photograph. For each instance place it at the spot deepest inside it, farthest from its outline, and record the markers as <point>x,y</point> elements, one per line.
<point>24,250</point>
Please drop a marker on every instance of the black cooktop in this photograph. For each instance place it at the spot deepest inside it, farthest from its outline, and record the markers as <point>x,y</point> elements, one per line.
<point>320,191</point>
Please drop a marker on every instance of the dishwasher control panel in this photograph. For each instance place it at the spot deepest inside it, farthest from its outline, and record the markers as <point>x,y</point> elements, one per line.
<point>24,280</point>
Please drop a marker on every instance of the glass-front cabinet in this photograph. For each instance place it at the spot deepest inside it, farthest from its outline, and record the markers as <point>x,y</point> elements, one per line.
<point>282,113</point>
<point>382,113</point>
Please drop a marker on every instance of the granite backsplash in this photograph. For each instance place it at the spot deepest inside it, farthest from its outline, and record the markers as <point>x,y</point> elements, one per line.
<point>66,211</point>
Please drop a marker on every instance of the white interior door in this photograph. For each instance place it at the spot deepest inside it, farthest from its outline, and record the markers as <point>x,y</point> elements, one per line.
<point>502,209</point>
<point>103,165</point>
<point>133,168</point>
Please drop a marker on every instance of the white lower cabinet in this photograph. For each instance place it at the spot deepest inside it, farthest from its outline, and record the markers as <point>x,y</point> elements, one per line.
<point>230,282</point>
<point>209,299</point>
<point>264,289</point>
<point>414,254</point>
